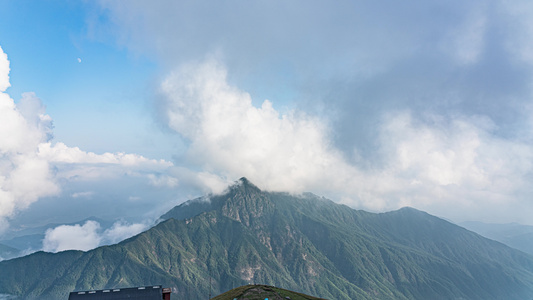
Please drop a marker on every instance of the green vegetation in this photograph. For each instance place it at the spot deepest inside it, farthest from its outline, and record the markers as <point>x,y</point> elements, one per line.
<point>261,292</point>
<point>306,244</point>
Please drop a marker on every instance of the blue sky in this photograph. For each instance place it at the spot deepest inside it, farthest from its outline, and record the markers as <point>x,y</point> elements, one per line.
<point>376,105</point>
<point>106,88</point>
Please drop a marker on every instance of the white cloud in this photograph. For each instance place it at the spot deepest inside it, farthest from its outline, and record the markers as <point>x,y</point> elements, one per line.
<point>24,176</point>
<point>453,166</point>
<point>73,163</point>
<point>34,112</point>
<point>232,138</point>
<point>4,71</point>
<point>72,237</point>
<point>60,153</point>
<point>89,235</point>
<point>122,230</point>
<point>204,181</point>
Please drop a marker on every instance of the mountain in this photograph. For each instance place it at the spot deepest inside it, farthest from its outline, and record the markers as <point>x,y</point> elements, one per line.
<point>7,252</point>
<point>28,242</point>
<point>514,235</point>
<point>262,292</point>
<point>303,243</point>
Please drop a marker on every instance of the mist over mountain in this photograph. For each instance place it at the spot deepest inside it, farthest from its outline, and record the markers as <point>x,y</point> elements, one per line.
<point>304,243</point>
<point>7,252</point>
<point>514,235</point>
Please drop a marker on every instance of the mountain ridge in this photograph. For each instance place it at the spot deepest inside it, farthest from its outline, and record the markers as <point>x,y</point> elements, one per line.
<point>307,243</point>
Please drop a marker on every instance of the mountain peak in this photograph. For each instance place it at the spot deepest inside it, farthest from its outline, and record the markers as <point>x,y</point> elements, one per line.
<point>247,183</point>
<point>244,180</point>
<point>239,199</point>
<point>245,202</point>
<point>244,185</point>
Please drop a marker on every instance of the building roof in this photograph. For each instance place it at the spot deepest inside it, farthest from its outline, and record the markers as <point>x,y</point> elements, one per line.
<point>136,293</point>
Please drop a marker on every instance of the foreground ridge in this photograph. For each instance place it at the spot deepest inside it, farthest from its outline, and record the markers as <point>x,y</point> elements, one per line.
<point>260,292</point>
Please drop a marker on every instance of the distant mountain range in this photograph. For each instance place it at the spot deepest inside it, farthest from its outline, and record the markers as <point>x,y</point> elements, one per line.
<point>513,235</point>
<point>7,252</point>
<point>303,243</point>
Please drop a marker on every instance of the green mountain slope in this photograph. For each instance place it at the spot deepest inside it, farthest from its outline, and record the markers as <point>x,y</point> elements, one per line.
<point>261,292</point>
<point>306,243</point>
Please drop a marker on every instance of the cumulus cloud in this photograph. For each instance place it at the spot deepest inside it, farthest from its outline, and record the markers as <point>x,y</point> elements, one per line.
<point>24,176</point>
<point>89,235</point>
<point>72,237</point>
<point>453,164</point>
<point>231,137</point>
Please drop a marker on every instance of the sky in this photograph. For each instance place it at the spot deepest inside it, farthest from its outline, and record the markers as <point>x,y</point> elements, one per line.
<point>121,110</point>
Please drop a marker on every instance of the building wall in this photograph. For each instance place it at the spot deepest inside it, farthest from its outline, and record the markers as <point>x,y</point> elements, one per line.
<point>136,293</point>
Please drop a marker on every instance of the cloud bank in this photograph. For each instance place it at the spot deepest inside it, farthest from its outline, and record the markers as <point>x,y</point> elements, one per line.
<point>452,165</point>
